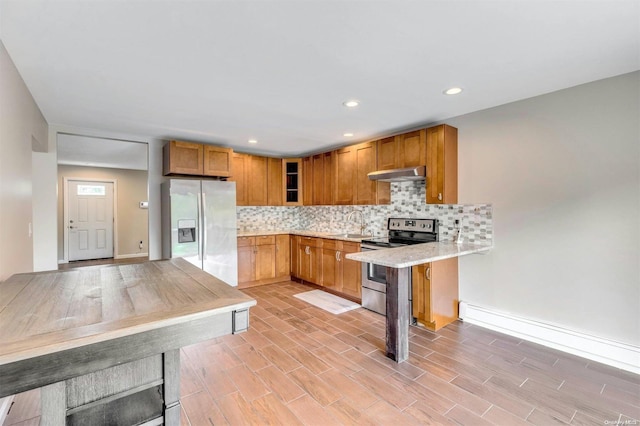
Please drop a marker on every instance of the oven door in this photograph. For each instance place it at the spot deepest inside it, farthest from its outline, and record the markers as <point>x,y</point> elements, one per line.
<point>374,287</point>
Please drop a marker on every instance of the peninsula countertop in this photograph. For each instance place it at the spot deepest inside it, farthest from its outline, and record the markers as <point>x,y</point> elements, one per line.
<point>56,312</point>
<point>417,254</point>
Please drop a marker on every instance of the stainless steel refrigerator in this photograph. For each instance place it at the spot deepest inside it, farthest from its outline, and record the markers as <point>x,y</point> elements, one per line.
<point>199,225</point>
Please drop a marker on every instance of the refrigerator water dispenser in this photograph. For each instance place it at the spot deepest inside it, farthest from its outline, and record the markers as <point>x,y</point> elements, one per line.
<point>186,230</point>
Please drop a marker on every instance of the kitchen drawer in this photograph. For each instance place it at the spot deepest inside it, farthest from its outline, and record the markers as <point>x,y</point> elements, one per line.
<point>246,241</point>
<point>311,241</point>
<point>350,246</point>
<point>263,240</point>
<point>331,244</point>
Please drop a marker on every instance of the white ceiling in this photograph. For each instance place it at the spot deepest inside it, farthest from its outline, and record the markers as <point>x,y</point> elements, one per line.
<point>278,71</point>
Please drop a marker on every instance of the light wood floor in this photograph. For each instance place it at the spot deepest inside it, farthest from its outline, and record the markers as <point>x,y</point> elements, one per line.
<point>299,365</point>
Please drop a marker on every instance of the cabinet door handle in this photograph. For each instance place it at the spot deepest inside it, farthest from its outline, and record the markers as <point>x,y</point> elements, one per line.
<point>427,274</point>
<point>306,250</point>
<point>440,196</point>
<point>337,257</point>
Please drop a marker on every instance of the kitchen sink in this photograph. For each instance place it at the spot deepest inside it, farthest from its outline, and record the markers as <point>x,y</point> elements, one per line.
<point>350,235</point>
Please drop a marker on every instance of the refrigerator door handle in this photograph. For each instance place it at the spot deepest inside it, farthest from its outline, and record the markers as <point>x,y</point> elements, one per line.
<point>199,198</point>
<point>203,209</point>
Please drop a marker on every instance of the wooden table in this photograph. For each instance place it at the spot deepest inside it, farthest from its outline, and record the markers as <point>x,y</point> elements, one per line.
<point>104,342</point>
<point>399,262</point>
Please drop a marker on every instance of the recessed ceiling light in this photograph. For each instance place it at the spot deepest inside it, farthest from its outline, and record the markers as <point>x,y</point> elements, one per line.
<point>453,91</point>
<point>348,135</point>
<point>351,104</point>
<point>252,141</point>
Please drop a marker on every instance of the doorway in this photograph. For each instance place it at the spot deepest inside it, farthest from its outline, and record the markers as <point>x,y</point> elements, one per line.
<point>93,159</point>
<point>89,218</point>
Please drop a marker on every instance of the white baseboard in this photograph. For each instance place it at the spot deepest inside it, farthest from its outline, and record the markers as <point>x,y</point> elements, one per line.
<point>5,404</point>
<point>610,352</point>
<point>62,261</point>
<point>130,256</point>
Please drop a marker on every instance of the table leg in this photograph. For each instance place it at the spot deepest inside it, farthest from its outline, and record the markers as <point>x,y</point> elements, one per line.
<point>397,324</point>
<point>53,399</point>
<point>171,374</point>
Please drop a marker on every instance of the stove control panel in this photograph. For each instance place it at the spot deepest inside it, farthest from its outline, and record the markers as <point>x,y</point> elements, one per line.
<point>416,225</point>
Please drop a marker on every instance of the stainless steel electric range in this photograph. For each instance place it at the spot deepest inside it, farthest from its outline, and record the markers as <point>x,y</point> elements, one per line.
<point>402,232</point>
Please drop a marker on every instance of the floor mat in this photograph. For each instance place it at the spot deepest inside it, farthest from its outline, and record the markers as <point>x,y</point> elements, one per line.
<point>328,302</point>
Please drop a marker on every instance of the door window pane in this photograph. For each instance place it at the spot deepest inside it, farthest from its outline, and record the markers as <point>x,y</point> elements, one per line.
<point>91,190</point>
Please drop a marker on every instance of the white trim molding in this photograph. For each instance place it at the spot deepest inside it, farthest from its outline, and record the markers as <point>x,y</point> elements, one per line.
<point>130,256</point>
<point>610,352</point>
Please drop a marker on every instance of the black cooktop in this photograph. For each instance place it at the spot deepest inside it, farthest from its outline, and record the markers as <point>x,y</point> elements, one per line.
<point>403,232</point>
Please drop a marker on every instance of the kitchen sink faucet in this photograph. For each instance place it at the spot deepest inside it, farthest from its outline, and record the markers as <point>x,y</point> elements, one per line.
<point>350,216</point>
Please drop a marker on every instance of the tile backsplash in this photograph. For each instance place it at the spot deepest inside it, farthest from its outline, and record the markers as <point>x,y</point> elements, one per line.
<point>407,200</point>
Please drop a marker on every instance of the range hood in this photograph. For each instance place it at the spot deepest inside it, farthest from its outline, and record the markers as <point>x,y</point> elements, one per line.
<point>399,175</point>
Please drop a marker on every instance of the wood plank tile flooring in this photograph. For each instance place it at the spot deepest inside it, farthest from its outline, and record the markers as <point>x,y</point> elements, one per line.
<point>299,365</point>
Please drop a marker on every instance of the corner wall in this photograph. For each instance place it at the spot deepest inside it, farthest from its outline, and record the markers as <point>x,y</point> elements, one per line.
<point>562,172</point>
<point>21,125</point>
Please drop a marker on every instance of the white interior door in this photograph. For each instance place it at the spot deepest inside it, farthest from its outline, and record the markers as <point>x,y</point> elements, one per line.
<point>90,219</point>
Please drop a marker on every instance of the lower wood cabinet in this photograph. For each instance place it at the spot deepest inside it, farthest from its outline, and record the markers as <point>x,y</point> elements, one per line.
<point>310,259</point>
<point>266,259</point>
<point>351,271</point>
<point>435,293</point>
<point>263,259</point>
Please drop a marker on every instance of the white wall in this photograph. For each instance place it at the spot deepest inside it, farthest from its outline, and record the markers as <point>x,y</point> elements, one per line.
<point>562,171</point>
<point>45,192</point>
<point>20,123</point>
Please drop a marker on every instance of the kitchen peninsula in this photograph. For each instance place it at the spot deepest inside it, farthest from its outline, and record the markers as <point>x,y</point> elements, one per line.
<point>398,262</point>
<point>104,343</point>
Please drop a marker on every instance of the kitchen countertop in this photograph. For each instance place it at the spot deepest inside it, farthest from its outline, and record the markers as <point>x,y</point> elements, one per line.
<point>317,234</point>
<point>417,254</point>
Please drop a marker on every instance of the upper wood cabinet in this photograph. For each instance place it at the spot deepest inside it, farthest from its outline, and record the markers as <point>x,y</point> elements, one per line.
<point>388,153</point>
<point>239,166</point>
<point>257,183</point>
<point>442,165</point>
<point>327,164</point>
<point>322,185</point>
<point>317,168</point>
<point>365,159</point>
<point>196,159</point>
<point>217,161</point>
<point>412,149</point>
<point>292,181</point>
<point>258,180</point>
<point>344,175</point>
<point>274,182</point>
<point>307,181</point>
<point>183,158</point>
